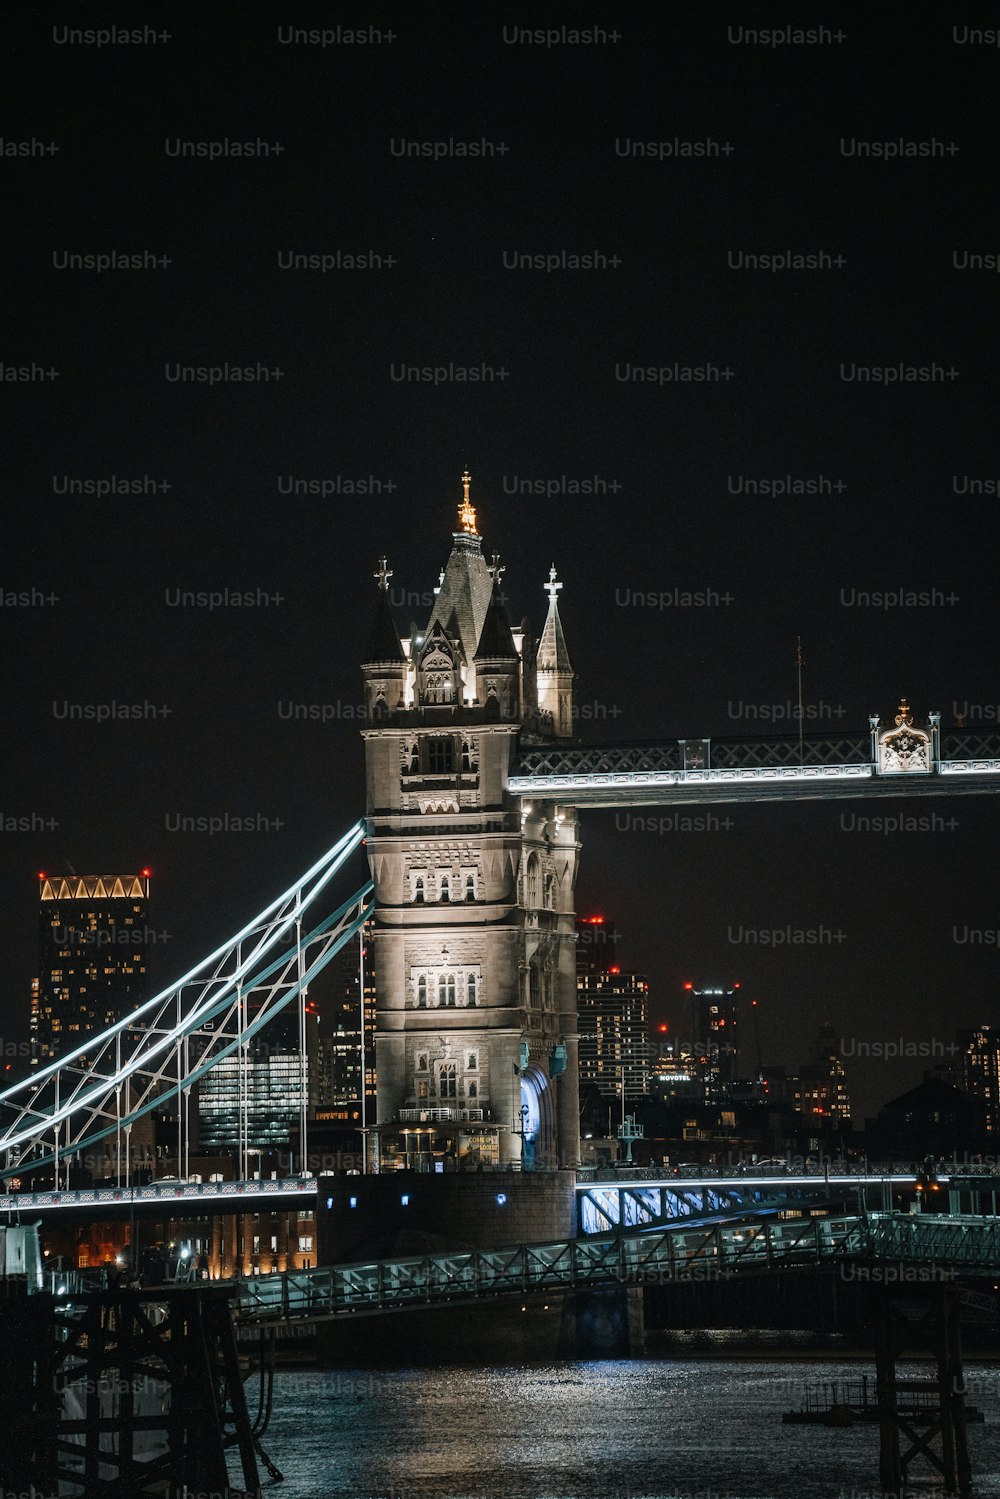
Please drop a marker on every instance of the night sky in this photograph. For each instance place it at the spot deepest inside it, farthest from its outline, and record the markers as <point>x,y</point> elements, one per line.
<point>672,514</point>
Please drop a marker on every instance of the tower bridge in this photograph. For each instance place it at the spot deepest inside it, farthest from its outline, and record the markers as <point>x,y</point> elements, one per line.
<point>473,785</point>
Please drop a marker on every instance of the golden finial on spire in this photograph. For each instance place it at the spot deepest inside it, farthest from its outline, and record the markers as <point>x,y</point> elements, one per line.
<point>467,511</point>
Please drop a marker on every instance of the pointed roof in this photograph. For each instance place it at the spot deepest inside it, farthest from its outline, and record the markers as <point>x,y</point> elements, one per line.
<point>496,643</point>
<point>464,595</point>
<point>383,642</point>
<point>552,654</point>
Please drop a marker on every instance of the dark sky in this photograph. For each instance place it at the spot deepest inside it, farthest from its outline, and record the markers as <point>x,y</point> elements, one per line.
<point>564,186</point>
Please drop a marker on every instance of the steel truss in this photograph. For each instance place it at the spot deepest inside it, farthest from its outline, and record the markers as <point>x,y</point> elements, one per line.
<point>158,1052</point>
<point>705,1252</point>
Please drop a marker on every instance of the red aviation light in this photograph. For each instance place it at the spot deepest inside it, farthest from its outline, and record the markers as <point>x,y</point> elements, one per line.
<point>614,969</point>
<point>146,874</point>
<point>689,986</point>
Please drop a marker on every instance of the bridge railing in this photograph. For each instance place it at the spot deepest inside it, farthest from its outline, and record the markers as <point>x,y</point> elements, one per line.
<point>698,1252</point>
<point>686,757</point>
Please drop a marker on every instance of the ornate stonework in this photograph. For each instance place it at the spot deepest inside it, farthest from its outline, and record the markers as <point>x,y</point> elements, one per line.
<point>475,933</point>
<point>904,750</point>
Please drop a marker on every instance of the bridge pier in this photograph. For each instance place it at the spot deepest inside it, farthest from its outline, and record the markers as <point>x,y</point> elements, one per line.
<point>906,1325</point>
<point>124,1392</point>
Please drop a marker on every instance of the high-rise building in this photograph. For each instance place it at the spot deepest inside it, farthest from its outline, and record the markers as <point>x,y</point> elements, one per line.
<point>613,1019</point>
<point>612,1014</point>
<point>337,1054</point>
<point>474,920</point>
<point>715,1035</point>
<point>980,1059</point>
<point>821,1093</point>
<point>92,957</point>
<point>269,1074</point>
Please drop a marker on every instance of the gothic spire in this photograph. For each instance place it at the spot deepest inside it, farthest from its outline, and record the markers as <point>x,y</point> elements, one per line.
<point>383,642</point>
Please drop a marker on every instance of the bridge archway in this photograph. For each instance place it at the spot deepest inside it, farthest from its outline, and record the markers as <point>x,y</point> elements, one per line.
<point>539,1122</point>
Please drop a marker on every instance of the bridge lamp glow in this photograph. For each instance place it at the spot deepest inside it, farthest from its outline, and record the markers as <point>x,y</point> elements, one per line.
<point>354,1202</point>
<point>405,1200</point>
<point>329,1203</point>
<point>501,1199</point>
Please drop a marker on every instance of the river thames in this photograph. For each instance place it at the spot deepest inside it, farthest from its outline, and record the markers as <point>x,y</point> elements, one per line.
<point>629,1429</point>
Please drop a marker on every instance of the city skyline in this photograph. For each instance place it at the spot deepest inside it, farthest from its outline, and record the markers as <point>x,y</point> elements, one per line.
<point>212,544</point>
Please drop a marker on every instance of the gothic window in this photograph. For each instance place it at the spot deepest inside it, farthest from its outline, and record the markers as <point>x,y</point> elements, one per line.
<point>470,887</point>
<point>422,992</point>
<point>550,889</point>
<point>418,890</point>
<point>439,688</point>
<point>414,760</point>
<point>422,1061</point>
<point>451,990</point>
<point>472,1065</point>
<point>445,888</point>
<point>448,1080</point>
<point>473,1089</point>
<point>470,989</point>
<point>440,757</point>
<point>468,762</point>
<point>442,990</point>
<point>534,986</point>
<point>422,1090</point>
<point>532,881</point>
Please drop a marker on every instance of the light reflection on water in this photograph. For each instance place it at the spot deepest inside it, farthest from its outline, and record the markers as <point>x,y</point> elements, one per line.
<point>632,1429</point>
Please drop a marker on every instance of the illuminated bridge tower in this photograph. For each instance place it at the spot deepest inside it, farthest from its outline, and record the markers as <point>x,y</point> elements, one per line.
<point>474,920</point>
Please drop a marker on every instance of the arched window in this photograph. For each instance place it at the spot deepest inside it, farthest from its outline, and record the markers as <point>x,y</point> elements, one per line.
<point>473,1089</point>
<point>467,756</point>
<point>452,990</point>
<point>418,890</point>
<point>472,1065</point>
<point>422,992</point>
<point>442,990</point>
<point>445,888</point>
<point>470,989</point>
<point>534,986</point>
<point>550,886</point>
<point>448,1080</point>
<point>470,887</point>
<point>532,881</point>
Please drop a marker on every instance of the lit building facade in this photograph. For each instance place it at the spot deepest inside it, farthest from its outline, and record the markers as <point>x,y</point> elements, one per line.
<point>980,1059</point>
<point>613,1020</point>
<point>474,922</point>
<point>336,1055</point>
<point>821,1095</point>
<point>715,1035</point>
<point>93,935</point>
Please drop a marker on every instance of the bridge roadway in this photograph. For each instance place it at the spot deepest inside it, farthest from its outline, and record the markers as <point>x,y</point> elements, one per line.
<point>632,1197</point>
<point>895,1248</point>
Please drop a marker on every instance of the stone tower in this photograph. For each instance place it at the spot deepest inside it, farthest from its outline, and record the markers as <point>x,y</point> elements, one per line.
<point>476,1040</point>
